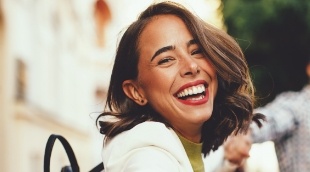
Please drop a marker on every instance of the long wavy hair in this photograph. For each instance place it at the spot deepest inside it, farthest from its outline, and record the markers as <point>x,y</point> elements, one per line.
<point>234,102</point>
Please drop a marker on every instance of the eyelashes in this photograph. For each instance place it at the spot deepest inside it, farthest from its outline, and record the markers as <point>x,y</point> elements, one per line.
<point>165,60</point>
<point>196,53</point>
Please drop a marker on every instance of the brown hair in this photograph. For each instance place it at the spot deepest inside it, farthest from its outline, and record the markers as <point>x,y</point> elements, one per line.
<point>233,106</point>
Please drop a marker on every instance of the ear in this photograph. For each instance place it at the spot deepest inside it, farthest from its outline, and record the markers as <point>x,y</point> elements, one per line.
<point>131,89</point>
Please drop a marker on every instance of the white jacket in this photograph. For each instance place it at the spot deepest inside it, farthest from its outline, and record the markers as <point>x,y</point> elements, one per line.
<point>148,147</point>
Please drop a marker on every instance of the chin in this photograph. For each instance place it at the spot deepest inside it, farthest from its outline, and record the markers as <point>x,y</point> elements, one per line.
<point>202,119</point>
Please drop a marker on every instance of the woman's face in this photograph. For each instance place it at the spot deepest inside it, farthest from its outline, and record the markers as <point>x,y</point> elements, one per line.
<point>175,77</point>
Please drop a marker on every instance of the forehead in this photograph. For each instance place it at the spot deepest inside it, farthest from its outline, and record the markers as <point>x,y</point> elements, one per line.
<point>164,22</point>
<point>163,29</point>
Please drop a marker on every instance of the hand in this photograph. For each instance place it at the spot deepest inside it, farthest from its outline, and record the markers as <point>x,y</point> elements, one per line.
<point>237,148</point>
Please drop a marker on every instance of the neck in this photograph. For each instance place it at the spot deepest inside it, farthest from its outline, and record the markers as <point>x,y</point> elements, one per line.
<point>189,135</point>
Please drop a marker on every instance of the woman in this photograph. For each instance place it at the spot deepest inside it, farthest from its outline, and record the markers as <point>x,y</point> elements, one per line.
<point>179,87</point>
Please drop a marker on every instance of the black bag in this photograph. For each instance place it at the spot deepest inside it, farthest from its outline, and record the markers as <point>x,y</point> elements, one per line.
<point>74,167</point>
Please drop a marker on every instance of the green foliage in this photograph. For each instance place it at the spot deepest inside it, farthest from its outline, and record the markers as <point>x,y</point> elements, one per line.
<point>275,35</point>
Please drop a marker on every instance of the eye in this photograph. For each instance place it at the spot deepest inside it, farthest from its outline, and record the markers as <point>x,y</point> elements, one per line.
<point>165,60</point>
<point>196,51</point>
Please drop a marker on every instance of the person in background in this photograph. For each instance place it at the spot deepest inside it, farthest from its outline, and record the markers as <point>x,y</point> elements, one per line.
<point>288,126</point>
<point>179,87</point>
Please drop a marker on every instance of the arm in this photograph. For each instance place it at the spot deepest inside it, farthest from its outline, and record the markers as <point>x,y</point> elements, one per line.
<point>281,120</point>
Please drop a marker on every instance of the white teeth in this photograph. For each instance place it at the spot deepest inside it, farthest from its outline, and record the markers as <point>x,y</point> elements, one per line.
<point>192,90</point>
<point>198,98</point>
<point>185,92</point>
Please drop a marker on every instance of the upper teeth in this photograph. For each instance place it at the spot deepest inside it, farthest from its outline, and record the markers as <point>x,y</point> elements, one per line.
<point>192,90</point>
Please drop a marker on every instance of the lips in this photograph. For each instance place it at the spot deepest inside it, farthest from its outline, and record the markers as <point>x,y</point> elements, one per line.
<point>194,93</point>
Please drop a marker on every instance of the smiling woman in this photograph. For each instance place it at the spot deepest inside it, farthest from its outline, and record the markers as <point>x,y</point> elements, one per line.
<point>177,85</point>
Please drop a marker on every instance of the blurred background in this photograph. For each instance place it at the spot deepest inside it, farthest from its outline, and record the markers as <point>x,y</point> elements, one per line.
<point>56,58</point>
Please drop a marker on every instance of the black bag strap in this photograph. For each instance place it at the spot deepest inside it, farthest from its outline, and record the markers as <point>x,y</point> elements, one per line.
<point>98,168</point>
<point>48,152</point>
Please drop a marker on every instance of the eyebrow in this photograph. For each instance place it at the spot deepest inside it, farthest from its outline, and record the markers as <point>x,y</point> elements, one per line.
<point>162,50</point>
<point>191,42</point>
<point>170,47</point>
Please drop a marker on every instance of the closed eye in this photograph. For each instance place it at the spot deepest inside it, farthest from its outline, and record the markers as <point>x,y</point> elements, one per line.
<point>165,60</point>
<point>196,51</point>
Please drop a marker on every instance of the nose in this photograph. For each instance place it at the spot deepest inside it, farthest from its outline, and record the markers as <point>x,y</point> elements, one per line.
<point>189,67</point>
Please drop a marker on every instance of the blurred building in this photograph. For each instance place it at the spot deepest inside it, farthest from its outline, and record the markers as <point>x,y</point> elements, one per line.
<point>55,61</point>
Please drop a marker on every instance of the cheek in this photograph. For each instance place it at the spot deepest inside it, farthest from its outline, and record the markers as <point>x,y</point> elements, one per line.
<point>215,85</point>
<point>155,82</point>
<point>213,75</point>
<point>210,70</point>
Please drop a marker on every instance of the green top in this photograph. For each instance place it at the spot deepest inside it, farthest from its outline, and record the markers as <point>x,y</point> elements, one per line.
<point>193,151</point>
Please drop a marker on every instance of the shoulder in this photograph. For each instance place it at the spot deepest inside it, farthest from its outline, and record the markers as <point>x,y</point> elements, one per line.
<point>149,127</point>
<point>291,99</point>
<point>142,135</point>
<point>286,95</point>
<point>284,99</point>
<point>147,139</point>
<point>294,95</point>
<point>306,90</point>
<point>285,103</point>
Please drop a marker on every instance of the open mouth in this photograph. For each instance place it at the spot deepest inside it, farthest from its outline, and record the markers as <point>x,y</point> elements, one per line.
<point>197,92</point>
